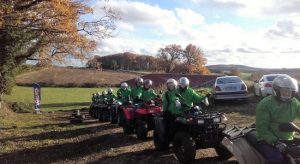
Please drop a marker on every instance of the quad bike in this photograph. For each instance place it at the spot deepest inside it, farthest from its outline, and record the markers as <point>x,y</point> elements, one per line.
<point>144,117</point>
<point>242,143</point>
<point>139,118</point>
<point>116,112</point>
<point>195,129</point>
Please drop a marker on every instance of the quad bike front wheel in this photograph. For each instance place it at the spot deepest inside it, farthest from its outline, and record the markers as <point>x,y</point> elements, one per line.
<point>141,129</point>
<point>184,147</point>
<point>222,152</point>
<point>160,143</point>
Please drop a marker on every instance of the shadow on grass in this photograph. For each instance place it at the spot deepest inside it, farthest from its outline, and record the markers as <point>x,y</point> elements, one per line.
<point>65,104</point>
<point>56,135</point>
<point>151,156</point>
<point>70,151</point>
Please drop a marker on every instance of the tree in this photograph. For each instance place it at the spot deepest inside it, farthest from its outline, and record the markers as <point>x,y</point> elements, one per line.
<point>169,56</point>
<point>235,72</point>
<point>49,30</point>
<point>194,61</point>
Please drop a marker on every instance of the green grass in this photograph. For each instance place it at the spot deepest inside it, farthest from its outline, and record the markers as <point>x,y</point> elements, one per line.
<point>55,98</point>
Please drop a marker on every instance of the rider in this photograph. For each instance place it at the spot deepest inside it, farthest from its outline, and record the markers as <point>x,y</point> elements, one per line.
<point>123,94</point>
<point>104,97</point>
<point>169,97</point>
<point>110,96</point>
<point>280,107</point>
<point>148,93</point>
<point>188,94</point>
<point>136,92</point>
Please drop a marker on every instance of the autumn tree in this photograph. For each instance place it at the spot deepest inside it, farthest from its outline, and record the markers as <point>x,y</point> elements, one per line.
<point>49,30</point>
<point>235,72</point>
<point>194,61</point>
<point>169,56</point>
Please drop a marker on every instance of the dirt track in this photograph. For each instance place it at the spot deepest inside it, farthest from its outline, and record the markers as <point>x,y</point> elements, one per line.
<point>95,143</point>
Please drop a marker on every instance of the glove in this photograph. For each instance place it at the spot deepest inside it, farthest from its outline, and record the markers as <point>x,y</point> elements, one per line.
<point>177,104</point>
<point>280,146</point>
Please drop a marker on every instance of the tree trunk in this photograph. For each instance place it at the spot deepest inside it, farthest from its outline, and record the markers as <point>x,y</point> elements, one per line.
<point>1,100</point>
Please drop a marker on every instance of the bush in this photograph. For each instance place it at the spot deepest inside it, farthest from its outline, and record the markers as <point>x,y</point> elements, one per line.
<point>204,91</point>
<point>20,107</point>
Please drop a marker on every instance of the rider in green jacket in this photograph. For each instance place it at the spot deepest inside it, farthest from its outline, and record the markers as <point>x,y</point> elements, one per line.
<point>190,97</point>
<point>148,93</point>
<point>123,94</point>
<point>280,107</point>
<point>136,92</point>
<point>110,96</point>
<point>169,98</point>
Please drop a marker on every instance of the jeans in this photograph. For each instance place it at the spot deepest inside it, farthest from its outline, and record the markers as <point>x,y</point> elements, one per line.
<point>271,154</point>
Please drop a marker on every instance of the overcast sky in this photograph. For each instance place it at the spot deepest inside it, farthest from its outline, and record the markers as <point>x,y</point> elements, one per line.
<point>253,33</point>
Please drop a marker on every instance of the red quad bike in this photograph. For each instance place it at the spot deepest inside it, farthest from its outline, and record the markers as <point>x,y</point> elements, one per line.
<point>140,119</point>
<point>144,118</point>
<point>242,143</point>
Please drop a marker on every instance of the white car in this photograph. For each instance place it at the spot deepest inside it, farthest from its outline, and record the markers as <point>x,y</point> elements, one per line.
<point>230,87</point>
<point>263,87</point>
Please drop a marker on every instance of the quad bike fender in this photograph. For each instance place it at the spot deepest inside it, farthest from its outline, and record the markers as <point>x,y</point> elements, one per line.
<point>243,151</point>
<point>153,110</point>
<point>128,113</point>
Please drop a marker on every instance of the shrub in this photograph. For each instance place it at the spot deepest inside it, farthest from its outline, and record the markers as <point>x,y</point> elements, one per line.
<point>20,107</point>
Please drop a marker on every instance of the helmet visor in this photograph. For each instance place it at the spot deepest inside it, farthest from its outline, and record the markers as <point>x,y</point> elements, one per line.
<point>286,93</point>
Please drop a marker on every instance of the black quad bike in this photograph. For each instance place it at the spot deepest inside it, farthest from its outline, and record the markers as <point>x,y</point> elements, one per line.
<point>195,129</point>
<point>242,143</point>
<point>105,110</point>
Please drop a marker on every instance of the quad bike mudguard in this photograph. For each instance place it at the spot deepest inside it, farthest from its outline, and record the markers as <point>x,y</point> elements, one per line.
<point>241,142</point>
<point>151,110</point>
<point>128,112</point>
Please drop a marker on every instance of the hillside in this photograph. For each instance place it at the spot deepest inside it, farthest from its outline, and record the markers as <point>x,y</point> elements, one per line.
<point>55,76</point>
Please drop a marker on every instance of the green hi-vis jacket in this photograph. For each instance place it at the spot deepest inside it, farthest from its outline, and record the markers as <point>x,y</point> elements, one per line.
<point>94,99</point>
<point>270,113</point>
<point>123,95</point>
<point>148,94</point>
<point>136,92</point>
<point>110,97</point>
<point>189,95</point>
<point>168,100</point>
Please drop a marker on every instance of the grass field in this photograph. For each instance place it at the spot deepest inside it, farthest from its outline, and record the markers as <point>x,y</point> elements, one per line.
<point>55,98</point>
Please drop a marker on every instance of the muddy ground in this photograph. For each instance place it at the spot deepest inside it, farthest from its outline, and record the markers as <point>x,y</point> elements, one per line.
<point>54,140</point>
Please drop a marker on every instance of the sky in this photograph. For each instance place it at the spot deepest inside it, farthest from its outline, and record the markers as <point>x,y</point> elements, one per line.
<point>264,34</point>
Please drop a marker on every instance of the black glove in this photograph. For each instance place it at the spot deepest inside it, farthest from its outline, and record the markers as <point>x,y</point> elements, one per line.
<point>280,146</point>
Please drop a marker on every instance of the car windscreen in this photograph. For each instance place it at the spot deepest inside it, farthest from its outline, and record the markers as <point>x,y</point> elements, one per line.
<point>229,80</point>
<point>271,78</point>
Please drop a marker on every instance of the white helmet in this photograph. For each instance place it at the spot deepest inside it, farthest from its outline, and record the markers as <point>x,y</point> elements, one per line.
<point>171,84</point>
<point>284,87</point>
<point>110,90</point>
<point>148,83</point>
<point>124,85</point>
<point>98,93</point>
<point>104,92</point>
<point>184,82</point>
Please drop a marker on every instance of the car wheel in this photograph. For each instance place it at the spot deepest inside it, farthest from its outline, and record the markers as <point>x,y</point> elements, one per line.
<point>184,147</point>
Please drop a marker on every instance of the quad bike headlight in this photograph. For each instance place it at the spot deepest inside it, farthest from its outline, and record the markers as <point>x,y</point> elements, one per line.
<point>217,120</point>
<point>200,121</point>
<point>223,118</point>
